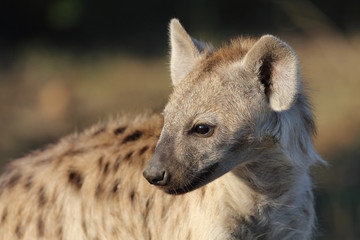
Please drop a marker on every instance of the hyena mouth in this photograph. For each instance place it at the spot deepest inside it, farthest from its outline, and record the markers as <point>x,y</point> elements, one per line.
<point>199,180</point>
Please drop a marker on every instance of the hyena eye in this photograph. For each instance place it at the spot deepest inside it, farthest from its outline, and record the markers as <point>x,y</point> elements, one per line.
<point>203,130</point>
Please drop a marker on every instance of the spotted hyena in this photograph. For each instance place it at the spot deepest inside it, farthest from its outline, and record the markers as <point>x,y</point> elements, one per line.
<point>229,156</point>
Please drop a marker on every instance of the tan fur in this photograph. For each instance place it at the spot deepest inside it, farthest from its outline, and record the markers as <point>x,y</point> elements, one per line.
<point>247,179</point>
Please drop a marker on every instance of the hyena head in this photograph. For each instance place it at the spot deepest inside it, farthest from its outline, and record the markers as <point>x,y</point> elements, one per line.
<point>227,106</point>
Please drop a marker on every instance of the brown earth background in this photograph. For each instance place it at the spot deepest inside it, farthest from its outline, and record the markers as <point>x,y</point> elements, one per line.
<point>67,64</point>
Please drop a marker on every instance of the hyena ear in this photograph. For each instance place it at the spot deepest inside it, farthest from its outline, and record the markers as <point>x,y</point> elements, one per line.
<point>276,65</point>
<point>185,51</point>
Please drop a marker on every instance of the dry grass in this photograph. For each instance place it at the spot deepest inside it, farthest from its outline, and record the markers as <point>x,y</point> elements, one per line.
<point>330,65</point>
<point>48,93</point>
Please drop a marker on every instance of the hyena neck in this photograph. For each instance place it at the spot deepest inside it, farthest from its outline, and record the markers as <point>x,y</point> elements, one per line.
<point>257,192</point>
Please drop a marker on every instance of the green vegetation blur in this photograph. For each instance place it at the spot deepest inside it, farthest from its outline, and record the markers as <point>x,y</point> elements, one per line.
<point>67,64</point>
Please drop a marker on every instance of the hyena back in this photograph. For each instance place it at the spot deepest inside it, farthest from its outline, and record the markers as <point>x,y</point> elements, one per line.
<point>230,157</point>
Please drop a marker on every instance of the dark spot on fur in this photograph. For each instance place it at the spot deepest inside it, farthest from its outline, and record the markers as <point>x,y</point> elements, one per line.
<point>75,179</point>
<point>101,130</point>
<point>18,231</point>
<point>98,190</point>
<point>84,227</point>
<point>73,152</point>
<point>100,162</point>
<point>14,180</point>
<point>42,198</point>
<point>103,145</point>
<point>40,225</point>
<point>133,137</point>
<point>106,168</point>
<point>132,196</point>
<point>146,211</point>
<point>119,130</point>
<point>60,231</point>
<point>202,191</point>
<point>143,150</point>
<point>128,156</point>
<point>4,215</point>
<point>28,182</point>
<point>147,205</point>
<point>117,164</point>
<point>116,186</point>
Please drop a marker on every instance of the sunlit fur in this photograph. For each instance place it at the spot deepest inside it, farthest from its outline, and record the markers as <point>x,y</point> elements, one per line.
<point>248,180</point>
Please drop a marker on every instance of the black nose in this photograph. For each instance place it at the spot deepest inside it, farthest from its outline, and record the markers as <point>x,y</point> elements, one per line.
<point>156,176</point>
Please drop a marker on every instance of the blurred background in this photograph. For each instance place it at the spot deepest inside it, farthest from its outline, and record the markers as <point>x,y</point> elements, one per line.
<point>67,64</point>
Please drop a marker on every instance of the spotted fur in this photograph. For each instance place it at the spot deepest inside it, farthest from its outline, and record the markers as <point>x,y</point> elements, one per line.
<point>249,179</point>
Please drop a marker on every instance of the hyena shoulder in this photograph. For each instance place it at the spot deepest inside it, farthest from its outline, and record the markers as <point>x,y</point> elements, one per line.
<point>38,192</point>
